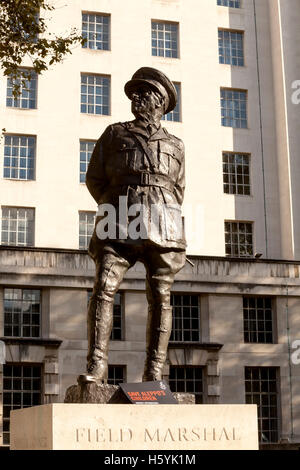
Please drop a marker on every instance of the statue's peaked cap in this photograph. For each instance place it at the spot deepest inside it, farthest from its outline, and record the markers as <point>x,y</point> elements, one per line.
<point>157,80</point>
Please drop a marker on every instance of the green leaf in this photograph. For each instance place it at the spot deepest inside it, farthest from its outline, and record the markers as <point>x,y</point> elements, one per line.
<point>25,33</point>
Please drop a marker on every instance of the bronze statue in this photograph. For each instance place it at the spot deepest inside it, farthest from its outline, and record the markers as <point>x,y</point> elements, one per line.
<point>142,163</point>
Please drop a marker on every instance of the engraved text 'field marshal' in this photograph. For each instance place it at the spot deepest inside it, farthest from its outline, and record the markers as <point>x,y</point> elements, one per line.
<point>158,435</point>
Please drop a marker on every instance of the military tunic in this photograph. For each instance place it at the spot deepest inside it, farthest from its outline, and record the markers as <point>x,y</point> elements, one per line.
<point>145,167</point>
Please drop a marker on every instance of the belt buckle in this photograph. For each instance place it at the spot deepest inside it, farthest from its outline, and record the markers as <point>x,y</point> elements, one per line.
<point>145,178</point>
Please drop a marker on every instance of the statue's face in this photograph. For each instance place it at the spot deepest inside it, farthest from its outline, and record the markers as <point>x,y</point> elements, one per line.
<point>144,100</point>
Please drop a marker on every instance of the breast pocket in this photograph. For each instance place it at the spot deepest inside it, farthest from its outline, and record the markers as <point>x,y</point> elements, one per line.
<point>128,156</point>
<point>169,161</point>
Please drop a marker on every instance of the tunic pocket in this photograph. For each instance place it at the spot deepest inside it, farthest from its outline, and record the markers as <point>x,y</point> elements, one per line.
<point>129,157</point>
<point>169,159</point>
<point>164,163</point>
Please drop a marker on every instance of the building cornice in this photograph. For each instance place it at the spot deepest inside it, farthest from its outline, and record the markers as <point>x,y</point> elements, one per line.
<point>75,269</point>
<point>190,256</point>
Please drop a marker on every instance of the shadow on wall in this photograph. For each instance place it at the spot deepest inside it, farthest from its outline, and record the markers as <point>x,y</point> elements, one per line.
<point>257,137</point>
<point>68,313</point>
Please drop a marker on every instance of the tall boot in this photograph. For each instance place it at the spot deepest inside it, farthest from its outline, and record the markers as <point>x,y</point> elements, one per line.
<point>159,326</point>
<point>100,321</point>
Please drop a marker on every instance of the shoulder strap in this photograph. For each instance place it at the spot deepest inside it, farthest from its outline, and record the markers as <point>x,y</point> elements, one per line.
<point>145,148</point>
<point>173,138</point>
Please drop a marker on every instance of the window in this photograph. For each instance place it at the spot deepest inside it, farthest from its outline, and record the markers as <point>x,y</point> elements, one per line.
<point>231,47</point>
<point>86,228</point>
<point>175,115</point>
<point>239,239</point>
<point>236,173</point>
<point>186,318</point>
<point>19,157</point>
<point>234,108</point>
<point>95,28</point>
<point>258,320</point>
<point>187,380</point>
<point>164,39</point>
<point>117,329</point>
<point>21,389</point>
<point>230,3</point>
<point>22,313</point>
<point>116,375</point>
<point>86,150</point>
<point>261,386</point>
<point>28,92</point>
<point>95,93</point>
<point>17,226</point>
<point>116,333</point>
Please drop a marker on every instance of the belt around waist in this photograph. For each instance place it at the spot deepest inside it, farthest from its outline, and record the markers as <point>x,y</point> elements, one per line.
<point>144,179</point>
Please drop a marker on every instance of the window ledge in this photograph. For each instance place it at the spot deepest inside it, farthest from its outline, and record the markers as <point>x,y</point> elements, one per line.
<point>17,179</point>
<point>279,446</point>
<point>195,345</point>
<point>21,109</point>
<point>95,114</point>
<point>32,341</point>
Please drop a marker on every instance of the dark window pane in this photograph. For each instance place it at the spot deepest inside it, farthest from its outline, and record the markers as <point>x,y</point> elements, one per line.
<point>261,389</point>
<point>187,379</point>
<point>257,329</point>
<point>186,318</point>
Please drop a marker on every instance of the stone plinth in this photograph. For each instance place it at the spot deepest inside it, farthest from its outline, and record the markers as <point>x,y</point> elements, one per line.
<point>133,427</point>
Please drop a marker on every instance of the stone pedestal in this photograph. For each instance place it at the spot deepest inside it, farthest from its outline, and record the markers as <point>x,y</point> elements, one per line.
<point>133,427</point>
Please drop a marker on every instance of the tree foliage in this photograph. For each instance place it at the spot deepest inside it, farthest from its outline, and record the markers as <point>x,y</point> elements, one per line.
<point>24,33</point>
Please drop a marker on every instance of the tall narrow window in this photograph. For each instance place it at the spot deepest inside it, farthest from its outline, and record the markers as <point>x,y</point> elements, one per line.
<point>86,150</point>
<point>22,313</point>
<point>86,228</point>
<point>116,334</point>
<point>21,388</point>
<point>239,239</point>
<point>236,173</point>
<point>95,94</point>
<point>19,157</point>
<point>164,39</point>
<point>231,47</point>
<point>95,28</point>
<point>175,115</point>
<point>258,320</point>
<point>234,108</point>
<point>27,99</point>
<point>186,318</point>
<point>187,379</point>
<point>262,389</point>
<point>17,226</point>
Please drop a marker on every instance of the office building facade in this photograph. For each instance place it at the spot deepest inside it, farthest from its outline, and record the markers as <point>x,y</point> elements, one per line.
<point>235,336</point>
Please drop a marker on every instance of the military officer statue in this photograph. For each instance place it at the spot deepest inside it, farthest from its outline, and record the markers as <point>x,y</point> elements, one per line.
<point>142,165</point>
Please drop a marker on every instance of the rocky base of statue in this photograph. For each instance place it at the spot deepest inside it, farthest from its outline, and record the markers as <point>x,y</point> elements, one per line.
<point>95,393</point>
<point>110,394</point>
